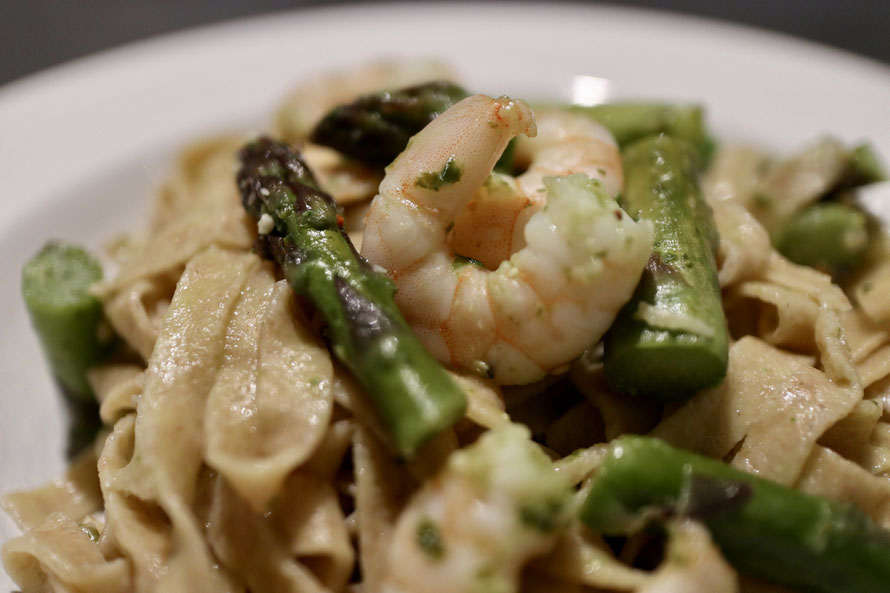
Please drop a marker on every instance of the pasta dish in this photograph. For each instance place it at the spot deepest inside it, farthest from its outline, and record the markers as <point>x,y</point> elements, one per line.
<point>421,340</point>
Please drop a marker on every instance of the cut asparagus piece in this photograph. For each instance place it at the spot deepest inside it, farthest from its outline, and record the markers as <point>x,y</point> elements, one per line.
<point>632,121</point>
<point>865,167</point>
<point>414,396</point>
<point>763,528</point>
<point>670,339</point>
<point>66,316</point>
<point>376,127</point>
<point>828,236</point>
<point>799,181</point>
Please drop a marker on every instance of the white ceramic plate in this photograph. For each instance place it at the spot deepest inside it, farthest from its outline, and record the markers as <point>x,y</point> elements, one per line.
<point>83,145</point>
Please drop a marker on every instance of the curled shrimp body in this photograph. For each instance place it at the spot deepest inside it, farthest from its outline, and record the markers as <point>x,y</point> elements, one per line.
<point>540,308</point>
<point>494,506</point>
<point>491,227</point>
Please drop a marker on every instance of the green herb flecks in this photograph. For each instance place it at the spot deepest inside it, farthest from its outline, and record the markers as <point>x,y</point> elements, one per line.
<point>449,174</point>
<point>430,539</point>
<point>91,531</point>
<point>461,261</point>
<point>542,515</point>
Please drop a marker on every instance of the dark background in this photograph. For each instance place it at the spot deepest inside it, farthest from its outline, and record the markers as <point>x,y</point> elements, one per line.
<point>35,34</point>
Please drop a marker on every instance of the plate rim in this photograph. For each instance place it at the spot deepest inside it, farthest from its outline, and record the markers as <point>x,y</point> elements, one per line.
<point>106,62</point>
<point>32,81</point>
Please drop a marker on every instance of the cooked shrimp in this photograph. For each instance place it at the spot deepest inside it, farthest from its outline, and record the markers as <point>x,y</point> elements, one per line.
<point>495,505</point>
<point>491,227</point>
<point>538,310</point>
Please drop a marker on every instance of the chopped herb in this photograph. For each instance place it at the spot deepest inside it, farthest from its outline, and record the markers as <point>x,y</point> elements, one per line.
<point>90,531</point>
<point>429,539</point>
<point>866,287</point>
<point>542,515</point>
<point>489,580</point>
<point>449,174</point>
<point>461,261</point>
<point>762,200</point>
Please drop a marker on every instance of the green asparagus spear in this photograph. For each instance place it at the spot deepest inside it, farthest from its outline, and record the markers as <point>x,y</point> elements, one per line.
<point>822,171</point>
<point>66,317</point>
<point>828,236</point>
<point>376,127</point>
<point>414,396</point>
<point>629,121</point>
<point>763,528</point>
<point>796,182</point>
<point>865,167</point>
<point>670,339</point>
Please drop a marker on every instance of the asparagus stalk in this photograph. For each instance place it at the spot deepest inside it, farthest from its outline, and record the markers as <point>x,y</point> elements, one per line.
<point>828,236</point>
<point>413,395</point>
<point>865,167</point>
<point>631,121</point>
<point>796,182</point>
<point>66,316</point>
<point>376,127</point>
<point>670,339</point>
<point>768,530</point>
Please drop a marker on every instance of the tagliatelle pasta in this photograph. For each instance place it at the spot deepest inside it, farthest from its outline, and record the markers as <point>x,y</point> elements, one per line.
<point>279,377</point>
<point>239,454</point>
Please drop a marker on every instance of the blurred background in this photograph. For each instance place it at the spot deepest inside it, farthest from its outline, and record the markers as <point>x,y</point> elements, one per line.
<point>35,34</point>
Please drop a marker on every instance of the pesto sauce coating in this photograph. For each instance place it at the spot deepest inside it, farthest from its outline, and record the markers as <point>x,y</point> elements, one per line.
<point>450,173</point>
<point>429,539</point>
<point>670,340</point>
